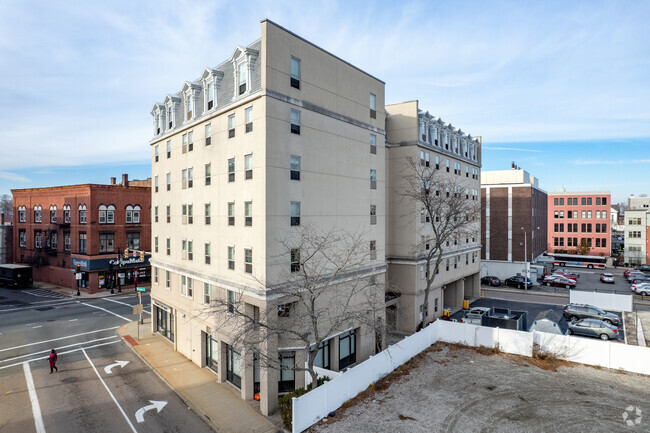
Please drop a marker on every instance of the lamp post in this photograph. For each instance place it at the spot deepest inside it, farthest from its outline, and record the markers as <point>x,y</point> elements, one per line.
<point>526,259</point>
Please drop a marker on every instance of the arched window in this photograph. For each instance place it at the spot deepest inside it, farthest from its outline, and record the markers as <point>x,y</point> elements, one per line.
<point>133,214</point>
<point>38,214</point>
<point>22,214</point>
<point>82,214</point>
<point>53,214</point>
<point>106,214</point>
<point>66,213</point>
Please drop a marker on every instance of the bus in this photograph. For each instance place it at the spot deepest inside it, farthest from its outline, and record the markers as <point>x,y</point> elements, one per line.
<point>577,261</point>
<point>15,276</point>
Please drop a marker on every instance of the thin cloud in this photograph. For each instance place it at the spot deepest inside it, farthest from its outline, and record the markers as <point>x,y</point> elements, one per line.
<point>610,162</point>
<point>13,177</point>
<point>517,149</point>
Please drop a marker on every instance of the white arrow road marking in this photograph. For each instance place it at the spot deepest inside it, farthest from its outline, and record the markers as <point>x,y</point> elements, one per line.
<point>120,364</point>
<point>139,415</point>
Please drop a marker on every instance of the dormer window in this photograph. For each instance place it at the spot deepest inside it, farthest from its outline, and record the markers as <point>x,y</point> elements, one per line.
<point>210,92</point>
<point>242,78</point>
<point>189,104</point>
<point>157,124</point>
<point>170,116</point>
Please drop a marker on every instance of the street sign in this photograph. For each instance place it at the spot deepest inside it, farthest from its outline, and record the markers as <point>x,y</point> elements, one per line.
<point>141,289</point>
<point>137,309</point>
<point>78,275</point>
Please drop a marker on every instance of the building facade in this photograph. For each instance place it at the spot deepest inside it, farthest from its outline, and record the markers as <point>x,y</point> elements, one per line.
<point>57,228</point>
<point>281,135</point>
<point>514,213</point>
<point>641,202</point>
<point>573,216</point>
<point>637,236</point>
<point>415,135</point>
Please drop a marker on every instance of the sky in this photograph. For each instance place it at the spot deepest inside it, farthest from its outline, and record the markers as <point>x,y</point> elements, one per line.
<point>560,88</point>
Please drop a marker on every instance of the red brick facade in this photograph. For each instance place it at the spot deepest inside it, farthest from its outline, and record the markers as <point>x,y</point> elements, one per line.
<point>52,262</point>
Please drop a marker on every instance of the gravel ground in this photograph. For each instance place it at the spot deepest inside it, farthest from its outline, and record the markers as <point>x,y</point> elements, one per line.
<point>450,389</point>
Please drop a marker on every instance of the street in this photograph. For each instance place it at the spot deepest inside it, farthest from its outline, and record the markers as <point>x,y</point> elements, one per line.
<point>101,385</point>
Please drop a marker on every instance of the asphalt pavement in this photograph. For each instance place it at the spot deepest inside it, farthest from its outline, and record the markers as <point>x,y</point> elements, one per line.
<point>101,385</point>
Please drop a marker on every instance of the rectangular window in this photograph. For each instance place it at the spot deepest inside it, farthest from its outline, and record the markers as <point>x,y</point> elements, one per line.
<point>106,243</point>
<point>603,242</point>
<point>231,258</point>
<point>168,278</point>
<point>22,215</point>
<point>588,201</point>
<point>155,244</point>
<point>190,141</point>
<point>231,213</point>
<point>190,214</point>
<point>295,72</point>
<point>183,285</point>
<point>597,204</point>
<point>373,250</point>
<point>589,214</point>
<point>169,246</point>
<point>373,179</point>
<point>295,167</point>
<point>66,241</point>
<point>169,181</point>
<point>169,149</point>
<point>155,183</point>
<point>184,146</point>
<point>22,238</point>
<point>322,358</point>
<point>561,202</point>
<point>231,170</point>
<point>208,174</point>
<point>207,253</point>
<point>82,243</point>
<point>230,301</point>
<point>184,213</point>
<point>248,213</point>
<point>556,201</point>
<point>190,250</point>
<point>242,77</point>
<point>248,114</point>
<point>561,214</point>
<point>207,297</point>
<point>561,242</point>
<point>295,122</point>
<point>286,380</point>
<point>207,212</point>
<point>184,249</point>
<point>155,276</point>
<point>373,144</point>
<point>373,106</point>
<point>190,177</point>
<point>168,213</point>
<point>347,349</point>
<point>583,201</point>
<point>248,261</point>
<point>295,213</point>
<point>208,134</point>
<point>604,201</point>
<point>373,214</point>
<point>248,166</point>
<point>295,259</point>
<point>598,239</point>
<point>133,240</point>
<point>231,126</point>
<point>583,214</point>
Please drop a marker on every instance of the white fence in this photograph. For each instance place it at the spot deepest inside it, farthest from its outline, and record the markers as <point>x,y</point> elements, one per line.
<point>606,301</point>
<point>315,405</point>
<point>320,372</point>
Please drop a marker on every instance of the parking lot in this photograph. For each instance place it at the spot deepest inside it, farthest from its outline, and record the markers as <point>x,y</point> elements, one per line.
<point>452,389</point>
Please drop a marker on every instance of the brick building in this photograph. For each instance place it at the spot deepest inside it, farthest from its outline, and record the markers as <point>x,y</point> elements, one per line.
<point>512,200</point>
<point>59,227</point>
<point>573,216</point>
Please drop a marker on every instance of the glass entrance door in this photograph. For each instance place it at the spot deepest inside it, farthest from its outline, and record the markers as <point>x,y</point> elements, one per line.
<point>165,323</point>
<point>233,366</point>
<point>211,352</point>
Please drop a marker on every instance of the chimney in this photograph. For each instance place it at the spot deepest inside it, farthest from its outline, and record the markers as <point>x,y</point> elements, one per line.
<point>113,180</point>
<point>125,179</point>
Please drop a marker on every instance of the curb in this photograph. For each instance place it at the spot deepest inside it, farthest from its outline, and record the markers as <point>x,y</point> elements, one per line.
<point>186,401</point>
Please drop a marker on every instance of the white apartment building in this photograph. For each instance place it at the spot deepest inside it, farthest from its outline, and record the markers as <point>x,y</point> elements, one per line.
<point>281,134</point>
<point>637,230</point>
<point>416,135</point>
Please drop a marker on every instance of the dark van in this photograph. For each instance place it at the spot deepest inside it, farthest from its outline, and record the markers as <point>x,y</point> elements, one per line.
<point>15,276</point>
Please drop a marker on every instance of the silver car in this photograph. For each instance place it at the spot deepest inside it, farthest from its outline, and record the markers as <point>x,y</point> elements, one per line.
<point>593,328</point>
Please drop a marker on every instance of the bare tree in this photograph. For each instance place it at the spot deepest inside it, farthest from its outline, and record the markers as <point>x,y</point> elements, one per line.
<point>6,205</point>
<point>327,288</point>
<point>447,208</point>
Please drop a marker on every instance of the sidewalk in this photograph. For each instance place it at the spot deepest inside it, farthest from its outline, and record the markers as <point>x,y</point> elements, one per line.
<point>73,292</point>
<point>219,404</point>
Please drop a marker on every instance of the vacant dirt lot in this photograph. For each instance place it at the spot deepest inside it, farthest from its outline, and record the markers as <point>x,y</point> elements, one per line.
<point>451,389</point>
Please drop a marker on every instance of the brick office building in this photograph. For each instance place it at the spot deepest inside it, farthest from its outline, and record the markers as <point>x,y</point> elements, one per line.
<point>510,200</point>
<point>573,216</point>
<point>59,227</point>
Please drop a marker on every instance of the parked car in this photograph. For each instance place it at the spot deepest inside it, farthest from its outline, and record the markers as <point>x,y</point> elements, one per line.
<point>491,281</point>
<point>607,278</point>
<point>567,274</point>
<point>633,275</point>
<point>594,328</point>
<point>519,281</point>
<point>642,289</point>
<point>643,268</point>
<point>558,281</point>
<point>573,312</point>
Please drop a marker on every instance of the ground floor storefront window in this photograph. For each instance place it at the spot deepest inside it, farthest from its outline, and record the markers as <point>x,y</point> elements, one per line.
<point>165,323</point>
<point>347,349</point>
<point>287,380</point>
<point>211,352</point>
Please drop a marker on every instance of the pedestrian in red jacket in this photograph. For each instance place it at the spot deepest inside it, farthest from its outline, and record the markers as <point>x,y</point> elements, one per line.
<point>52,360</point>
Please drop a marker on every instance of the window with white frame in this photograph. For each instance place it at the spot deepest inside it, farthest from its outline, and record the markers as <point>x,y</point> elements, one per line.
<point>208,213</point>
<point>22,238</point>
<point>169,148</point>
<point>169,246</point>
<point>133,240</point>
<point>208,173</point>
<point>373,106</point>
<point>133,214</point>
<point>66,213</point>
<point>231,213</point>
<point>242,78</point>
<point>373,144</point>
<point>248,166</point>
<point>231,258</point>
<point>248,213</point>
<point>295,121</point>
<point>22,214</point>
<point>183,285</point>
<point>295,72</point>
<point>207,253</point>
<point>207,296</point>
<point>190,177</point>
<point>53,214</point>
<point>38,239</point>
<point>231,126</point>
<point>248,116</point>
<point>230,301</point>
<point>295,168</point>
<point>38,214</point>
<point>106,214</point>
<point>295,213</point>
<point>208,134</point>
<point>155,276</point>
<point>156,153</point>
<point>210,95</point>
<point>231,170</point>
<point>155,244</point>
<point>168,278</point>
<point>248,260</point>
